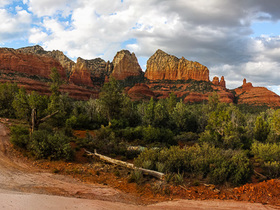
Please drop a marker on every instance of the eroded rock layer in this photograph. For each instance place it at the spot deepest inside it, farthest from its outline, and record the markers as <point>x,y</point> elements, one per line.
<point>125,65</point>
<point>162,66</point>
<point>248,94</point>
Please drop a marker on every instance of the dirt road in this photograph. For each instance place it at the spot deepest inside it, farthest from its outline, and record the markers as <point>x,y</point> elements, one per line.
<point>23,186</point>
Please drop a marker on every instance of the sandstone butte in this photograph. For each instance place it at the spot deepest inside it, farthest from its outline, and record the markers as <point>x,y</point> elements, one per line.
<point>162,66</point>
<point>247,94</point>
<point>30,67</point>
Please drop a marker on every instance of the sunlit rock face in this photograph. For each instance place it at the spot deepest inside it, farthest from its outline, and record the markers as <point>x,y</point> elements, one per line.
<point>162,66</point>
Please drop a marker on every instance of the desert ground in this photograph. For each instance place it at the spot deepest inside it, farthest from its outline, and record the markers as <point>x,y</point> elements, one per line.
<point>24,186</point>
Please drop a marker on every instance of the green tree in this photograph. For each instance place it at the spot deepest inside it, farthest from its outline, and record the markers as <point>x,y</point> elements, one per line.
<point>7,95</point>
<point>112,99</point>
<point>161,115</point>
<point>226,128</point>
<point>148,112</point>
<point>24,103</point>
<point>261,129</point>
<point>274,135</point>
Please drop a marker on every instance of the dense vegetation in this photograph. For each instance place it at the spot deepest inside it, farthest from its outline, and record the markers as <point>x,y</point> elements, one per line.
<point>215,141</point>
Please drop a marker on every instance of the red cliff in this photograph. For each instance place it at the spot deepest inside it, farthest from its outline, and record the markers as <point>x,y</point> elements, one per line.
<point>162,66</point>
<point>247,94</point>
<point>125,65</point>
<point>28,63</point>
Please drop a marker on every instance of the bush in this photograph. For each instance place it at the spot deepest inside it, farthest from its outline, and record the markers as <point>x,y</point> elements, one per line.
<point>272,169</point>
<point>136,176</point>
<point>50,146</point>
<point>269,156</point>
<point>106,142</point>
<point>266,151</point>
<point>152,135</point>
<point>206,161</point>
<point>20,136</point>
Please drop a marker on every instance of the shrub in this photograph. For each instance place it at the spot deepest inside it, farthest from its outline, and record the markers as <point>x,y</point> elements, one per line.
<point>20,136</point>
<point>266,151</point>
<point>50,146</point>
<point>178,179</point>
<point>105,141</point>
<point>272,169</point>
<point>136,176</point>
<point>152,134</point>
<point>200,160</point>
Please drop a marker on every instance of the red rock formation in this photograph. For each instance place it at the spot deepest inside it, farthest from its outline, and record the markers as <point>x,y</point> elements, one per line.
<point>247,94</point>
<point>195,97</point>
<point>140,92</point>
<point>221,83</point>
<point>81,74</point>
<point>216,81</point>
<point>42,87</point>
<point>125,65</point>
<point>66,63</point>
<point>29,63</point>
<point>162,66</point>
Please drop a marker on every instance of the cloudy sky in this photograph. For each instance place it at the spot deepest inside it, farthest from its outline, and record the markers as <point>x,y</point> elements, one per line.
<point>234,38</point>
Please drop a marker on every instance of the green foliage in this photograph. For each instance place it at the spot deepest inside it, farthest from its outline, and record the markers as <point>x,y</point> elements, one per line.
<point>261,129</point>
<point>62,103</point>
<point>186,137</point>
<point>136,176</point>
<point>7,95</point>
<point>112,98</point>
<point>53,146</point>
<point>218,165</point>
<point>266,151</point>
<point>24,103</point>
<point>163,135</point>
<point>106,142</point>
<point>274,135</point>
<point>178,179</point>
<point>268,154</point>
<point>20,136</point>
<point>43,144</point>
<point>56,82</point>
<point>272,169</point>
<point>183,119</point>
<point>226,128</point>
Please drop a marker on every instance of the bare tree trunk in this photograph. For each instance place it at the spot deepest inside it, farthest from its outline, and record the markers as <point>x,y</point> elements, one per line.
<point>156,174</point>
<point>35,122</point>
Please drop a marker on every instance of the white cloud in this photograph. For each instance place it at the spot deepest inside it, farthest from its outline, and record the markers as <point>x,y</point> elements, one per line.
<point>50,7</point>
<point>14,26</point>
<point>5,2</point>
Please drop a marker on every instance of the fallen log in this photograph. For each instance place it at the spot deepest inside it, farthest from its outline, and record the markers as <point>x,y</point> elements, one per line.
<point>261,175</point>
<point>156,174</point>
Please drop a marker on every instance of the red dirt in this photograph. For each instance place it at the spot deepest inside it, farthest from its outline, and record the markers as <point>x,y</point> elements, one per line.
<point>97,180</point>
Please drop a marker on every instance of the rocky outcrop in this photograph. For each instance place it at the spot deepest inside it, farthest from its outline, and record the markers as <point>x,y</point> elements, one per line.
<point>29,63</point>
<point>125,65</point>
<point>162,66</point>
<point>247,94</point>
<point>195,97</point>
<point>97,67</point>
<point>81,75</point>
<point>221,83</point>
<point>140,92</point>
<point>66,63</point>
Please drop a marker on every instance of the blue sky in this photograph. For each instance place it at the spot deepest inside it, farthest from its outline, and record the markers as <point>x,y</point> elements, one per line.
<point>235,38</point>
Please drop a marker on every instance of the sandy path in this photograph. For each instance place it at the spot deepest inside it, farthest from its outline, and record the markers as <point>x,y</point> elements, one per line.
<point>24,187</point>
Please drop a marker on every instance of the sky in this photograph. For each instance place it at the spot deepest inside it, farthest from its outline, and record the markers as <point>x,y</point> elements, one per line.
<point>236,39</point>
